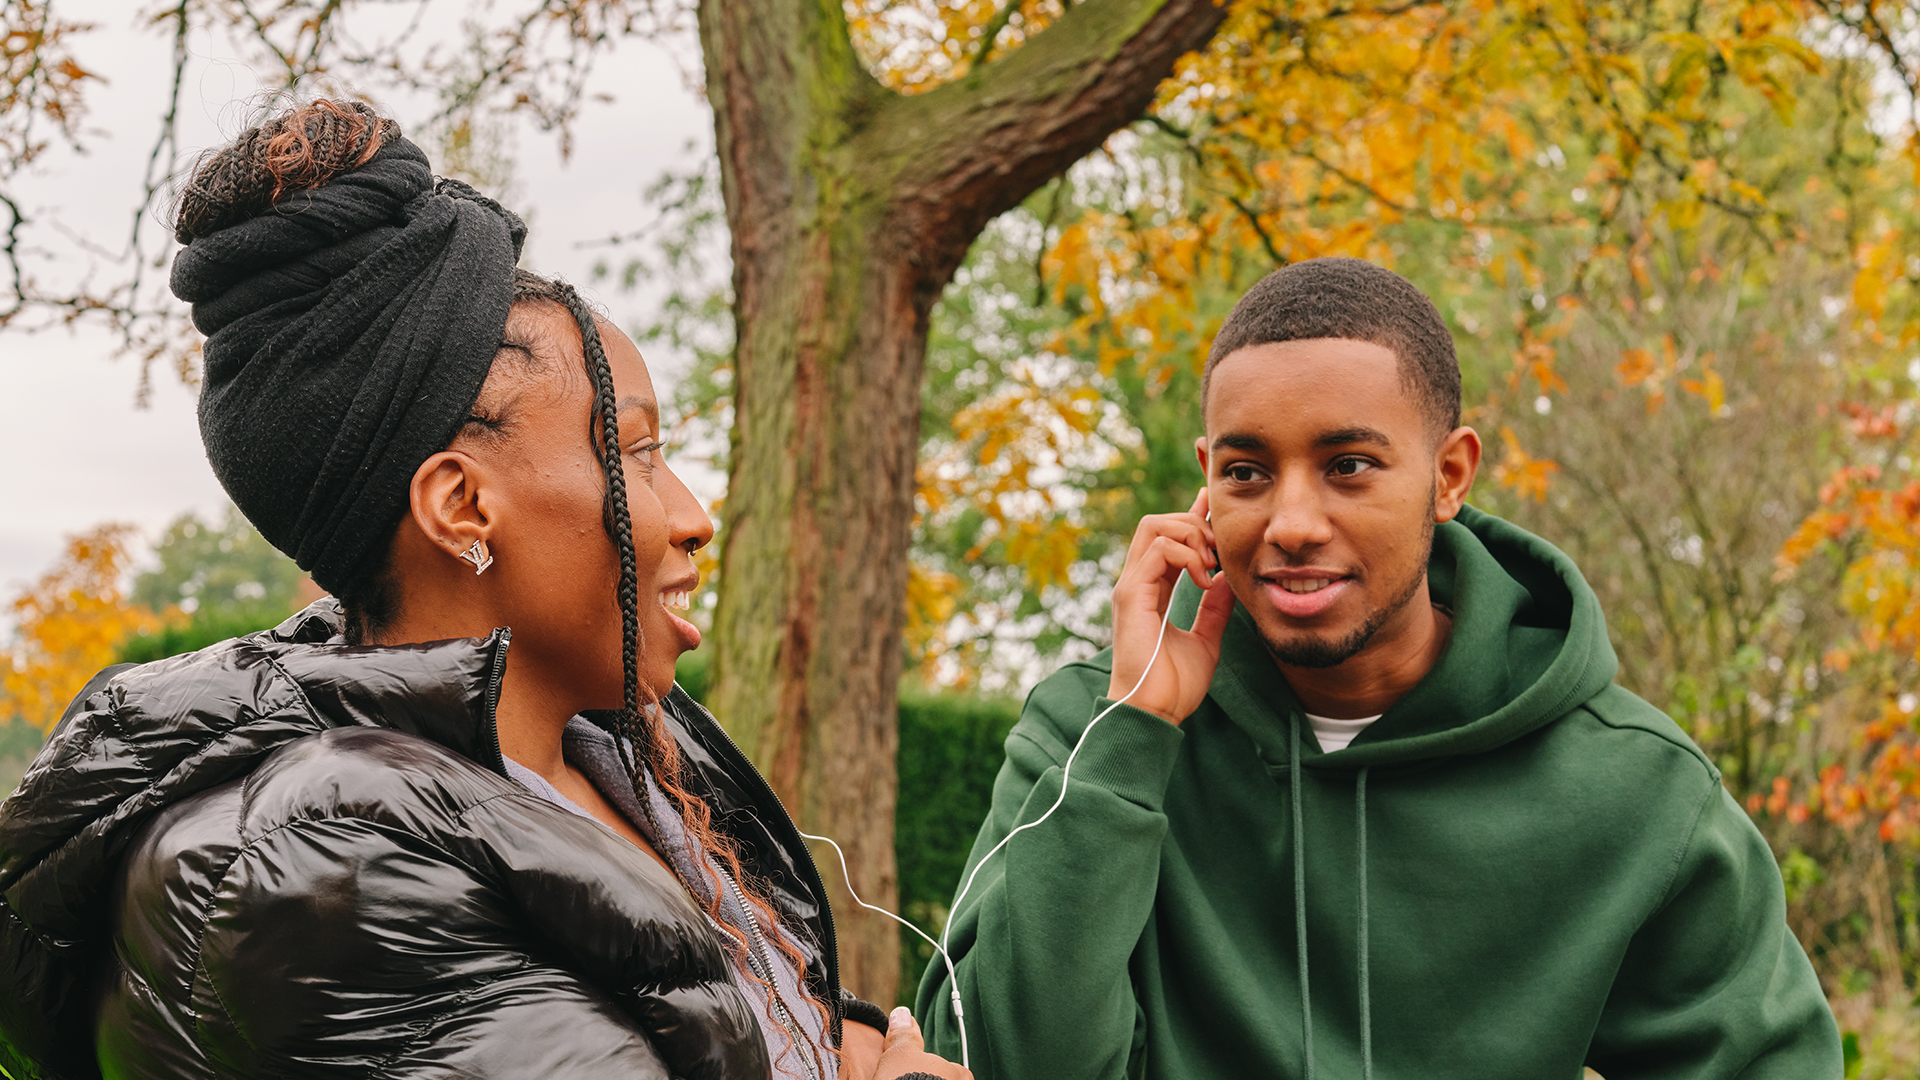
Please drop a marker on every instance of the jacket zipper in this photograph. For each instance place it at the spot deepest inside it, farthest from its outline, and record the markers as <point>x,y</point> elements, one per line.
<point>757,950</point>
<point>490,730</point>
<point>743,769</point>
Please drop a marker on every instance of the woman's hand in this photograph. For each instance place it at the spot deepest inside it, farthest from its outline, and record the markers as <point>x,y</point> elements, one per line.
<point>905,1052</point>
<point>1164,547</point>
<point>860,1048</point>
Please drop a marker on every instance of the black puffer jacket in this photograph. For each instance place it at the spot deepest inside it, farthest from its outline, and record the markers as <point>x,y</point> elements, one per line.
<point>280,857</point>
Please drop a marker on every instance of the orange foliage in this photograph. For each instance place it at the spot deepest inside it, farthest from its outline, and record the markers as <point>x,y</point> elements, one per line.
<point>1308,127</point>
<point>1530,476</point>
<point>1875,525</point>
<point>1005,446</point>
<point>68,624</point>
<point>930,603</point>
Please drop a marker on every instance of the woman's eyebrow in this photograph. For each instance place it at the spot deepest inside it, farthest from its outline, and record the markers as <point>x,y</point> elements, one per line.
<point>644,404</point>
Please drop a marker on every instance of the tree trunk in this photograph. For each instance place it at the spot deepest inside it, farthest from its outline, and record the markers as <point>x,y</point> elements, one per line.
<point>850,209</point>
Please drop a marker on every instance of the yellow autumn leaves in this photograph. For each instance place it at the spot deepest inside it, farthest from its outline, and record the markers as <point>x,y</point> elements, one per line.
<point>67,626</point>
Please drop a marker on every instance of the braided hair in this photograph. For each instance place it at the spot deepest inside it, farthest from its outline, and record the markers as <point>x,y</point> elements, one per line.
<point>300,149</point>
<point>646,743</point>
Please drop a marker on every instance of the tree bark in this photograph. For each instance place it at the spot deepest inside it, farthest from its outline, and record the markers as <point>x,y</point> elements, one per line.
<point>850,209</point>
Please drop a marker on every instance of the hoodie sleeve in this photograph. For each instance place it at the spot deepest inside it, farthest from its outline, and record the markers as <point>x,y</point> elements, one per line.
<point>1714,986</point>
<point>1042,940</point>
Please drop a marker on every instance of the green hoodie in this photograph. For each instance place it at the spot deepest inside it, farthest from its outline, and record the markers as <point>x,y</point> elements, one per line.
<point>1518,870</point>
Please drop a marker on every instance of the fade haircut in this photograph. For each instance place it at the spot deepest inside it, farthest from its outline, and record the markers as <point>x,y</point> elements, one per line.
<point>1353,299</point>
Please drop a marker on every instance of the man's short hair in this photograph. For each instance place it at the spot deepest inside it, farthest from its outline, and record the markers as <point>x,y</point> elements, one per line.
<point>1353,299</point>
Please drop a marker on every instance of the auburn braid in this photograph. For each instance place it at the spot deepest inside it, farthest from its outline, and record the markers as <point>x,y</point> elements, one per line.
<point>302,148</point>
<point>644,731</point>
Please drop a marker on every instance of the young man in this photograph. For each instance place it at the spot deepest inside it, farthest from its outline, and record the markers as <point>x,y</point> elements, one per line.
<point>1381,811</point>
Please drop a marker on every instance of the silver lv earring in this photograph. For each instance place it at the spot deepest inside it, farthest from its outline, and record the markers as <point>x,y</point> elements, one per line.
<point>477,555</point>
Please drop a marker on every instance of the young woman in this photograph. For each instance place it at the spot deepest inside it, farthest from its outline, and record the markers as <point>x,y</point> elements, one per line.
<point>458,822</point>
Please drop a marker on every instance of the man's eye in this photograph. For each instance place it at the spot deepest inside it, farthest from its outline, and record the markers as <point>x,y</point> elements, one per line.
<point>1242,474</point>
<point>649,452</point>
<point>1350,466</point>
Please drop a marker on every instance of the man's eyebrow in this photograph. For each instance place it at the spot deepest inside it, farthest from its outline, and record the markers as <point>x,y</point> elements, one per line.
<point>1349,435</point>
<point>1234,440</point>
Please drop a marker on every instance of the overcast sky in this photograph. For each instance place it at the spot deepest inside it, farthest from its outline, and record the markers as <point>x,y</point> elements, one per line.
<point>76,451</point>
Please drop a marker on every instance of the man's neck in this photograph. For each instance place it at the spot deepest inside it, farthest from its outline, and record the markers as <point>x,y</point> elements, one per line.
<point>1369,682</point>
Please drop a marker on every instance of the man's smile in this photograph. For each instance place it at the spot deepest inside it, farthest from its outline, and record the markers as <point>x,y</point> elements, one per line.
<point>1303,592</point>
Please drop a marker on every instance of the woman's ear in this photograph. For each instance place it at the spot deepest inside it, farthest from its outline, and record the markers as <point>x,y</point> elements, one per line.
<point>448,497</point>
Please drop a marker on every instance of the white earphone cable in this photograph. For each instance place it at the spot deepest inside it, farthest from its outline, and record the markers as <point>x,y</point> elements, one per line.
<point>953,979</point>
<point>1066,771</point>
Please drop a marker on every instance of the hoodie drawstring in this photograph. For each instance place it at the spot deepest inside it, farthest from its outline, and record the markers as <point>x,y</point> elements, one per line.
<point>1300,907</point>
<point>1300,893</point>
<point>1360,859</point>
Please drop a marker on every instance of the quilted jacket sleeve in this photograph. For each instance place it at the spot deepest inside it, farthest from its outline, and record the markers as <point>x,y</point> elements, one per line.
<point>391,906</point>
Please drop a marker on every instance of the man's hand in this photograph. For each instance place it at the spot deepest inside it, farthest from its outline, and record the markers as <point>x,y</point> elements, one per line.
<point>906,1052</point>
<point>1164,546</point>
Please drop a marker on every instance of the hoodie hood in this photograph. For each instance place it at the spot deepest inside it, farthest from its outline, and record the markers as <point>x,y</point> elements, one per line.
<point>1529,644</point>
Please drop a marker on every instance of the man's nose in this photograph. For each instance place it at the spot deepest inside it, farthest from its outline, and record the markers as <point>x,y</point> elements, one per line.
<point>1298,520</point>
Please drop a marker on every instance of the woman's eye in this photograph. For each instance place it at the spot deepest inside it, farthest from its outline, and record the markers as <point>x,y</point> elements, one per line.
<point>649,453</point>
<point>1350,466</point>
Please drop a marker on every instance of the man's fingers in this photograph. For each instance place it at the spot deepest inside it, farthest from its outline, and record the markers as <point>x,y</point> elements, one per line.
<point>1190,529</point>
<point>1159,566</point>
<point>1216,607</point>
<point>1185,528</point>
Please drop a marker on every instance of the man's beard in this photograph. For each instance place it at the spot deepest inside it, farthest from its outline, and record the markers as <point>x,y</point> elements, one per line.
<point>1317,652</point>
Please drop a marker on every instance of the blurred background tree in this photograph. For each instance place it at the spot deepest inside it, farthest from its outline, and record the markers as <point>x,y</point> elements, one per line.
<point>67,626</point>
<point>225,580</point>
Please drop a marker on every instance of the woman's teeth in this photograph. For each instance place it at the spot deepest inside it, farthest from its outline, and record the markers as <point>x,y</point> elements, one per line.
<point>1306,585</point>
<point>680,600</point>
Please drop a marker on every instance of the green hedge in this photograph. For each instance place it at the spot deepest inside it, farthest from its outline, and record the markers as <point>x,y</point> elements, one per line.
<point>197,633</point>
<point>951,747</point>
<point>19,744</point>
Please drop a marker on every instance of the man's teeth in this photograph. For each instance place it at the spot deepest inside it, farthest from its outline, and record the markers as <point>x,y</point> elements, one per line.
<point>681,600</point>
<point>1306,585</point>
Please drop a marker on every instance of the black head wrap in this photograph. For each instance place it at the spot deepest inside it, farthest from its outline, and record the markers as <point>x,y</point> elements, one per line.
<point>349,330</point>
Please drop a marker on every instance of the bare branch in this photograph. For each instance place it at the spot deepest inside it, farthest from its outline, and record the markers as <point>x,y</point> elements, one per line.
<point>1186,140</point>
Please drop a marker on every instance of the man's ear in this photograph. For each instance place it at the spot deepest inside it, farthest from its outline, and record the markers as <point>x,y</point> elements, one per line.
<point>1455,462</point>
<point>1200,452</point>
<point>448,501</point>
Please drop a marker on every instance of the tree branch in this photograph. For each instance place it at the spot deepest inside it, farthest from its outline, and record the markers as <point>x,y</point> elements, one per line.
<point>967,151</point>
<point>1185,139</point>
